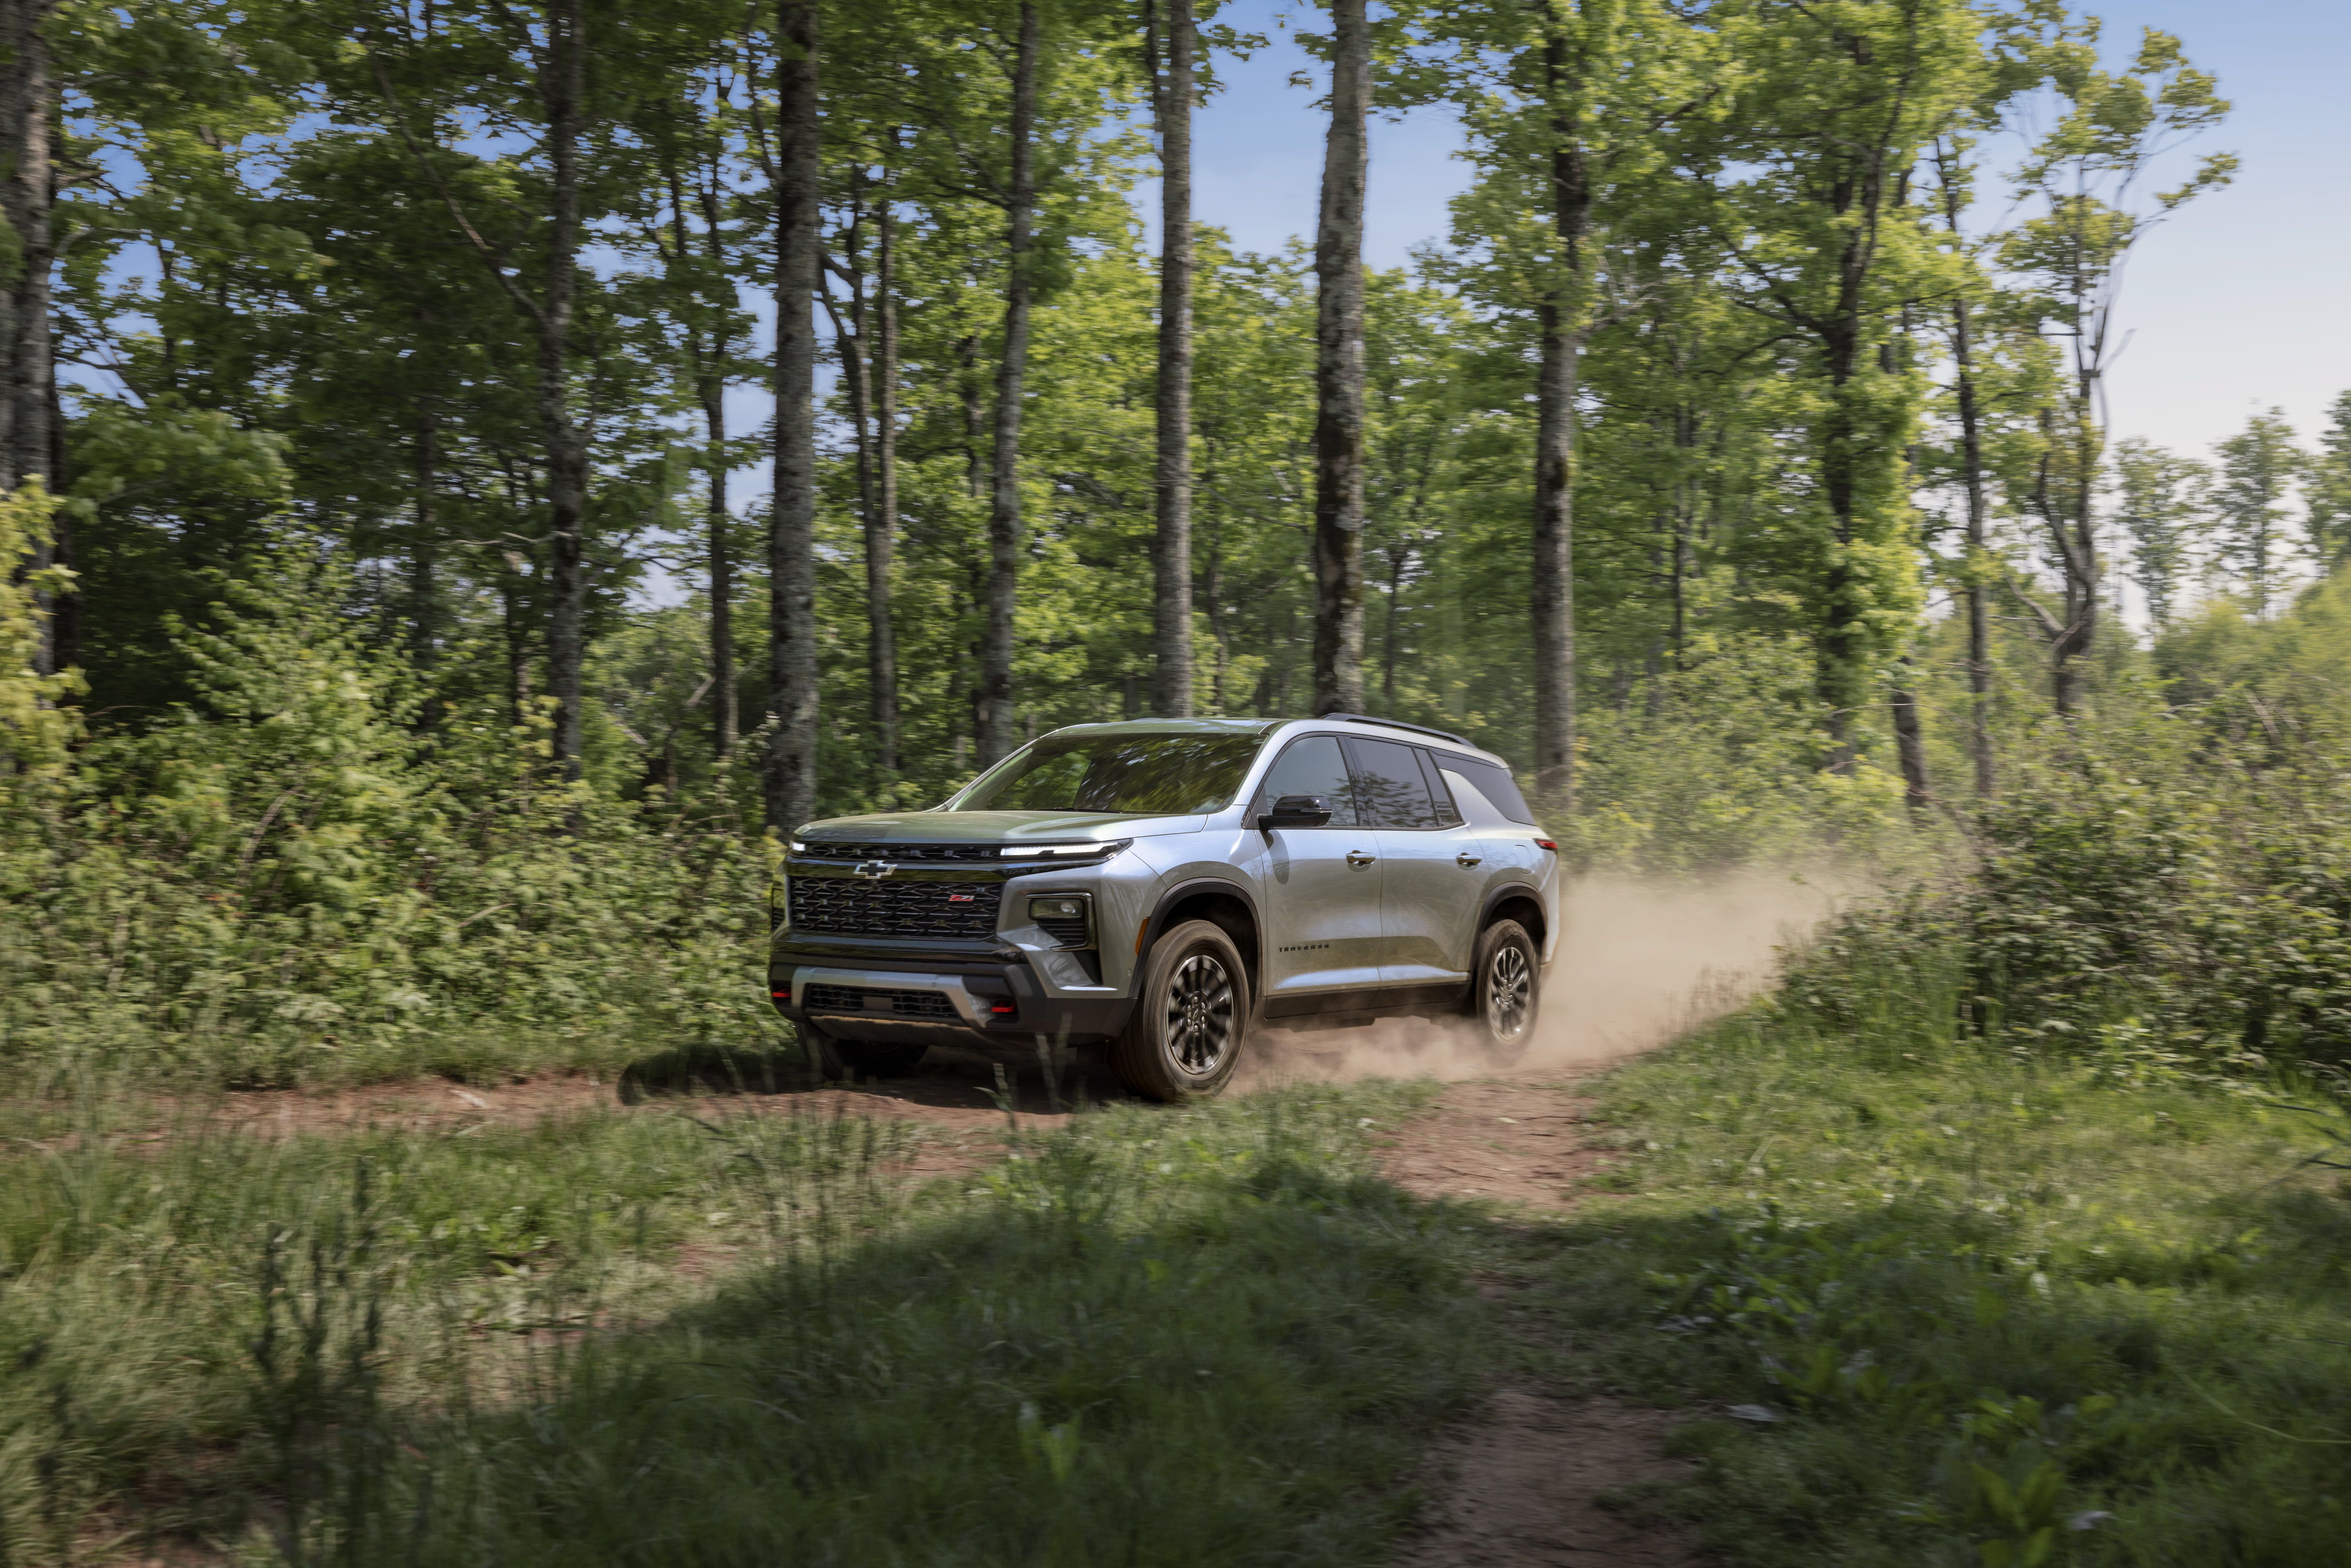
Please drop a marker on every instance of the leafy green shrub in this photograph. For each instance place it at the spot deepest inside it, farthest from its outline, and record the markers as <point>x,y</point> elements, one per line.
<point>288,880</point>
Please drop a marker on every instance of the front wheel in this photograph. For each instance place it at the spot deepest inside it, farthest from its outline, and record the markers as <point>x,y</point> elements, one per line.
<point>850,1060</point>
<point>1191,1012</point>
<point>1506,992</point>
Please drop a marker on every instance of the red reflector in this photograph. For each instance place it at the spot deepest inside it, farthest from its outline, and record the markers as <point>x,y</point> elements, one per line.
<point>1546,844</point>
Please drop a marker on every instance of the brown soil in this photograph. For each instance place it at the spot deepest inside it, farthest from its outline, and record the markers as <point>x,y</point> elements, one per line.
<point>953,1092</point>
<point>1518,1484</point>
<point>1503,1140</point>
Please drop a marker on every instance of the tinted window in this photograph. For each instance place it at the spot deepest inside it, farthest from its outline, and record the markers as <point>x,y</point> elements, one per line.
<point>1313,767</point>
<point>1137,775</point>
<point>1497,785</point>
<point>1448,815</point>
<point>1392,790</point>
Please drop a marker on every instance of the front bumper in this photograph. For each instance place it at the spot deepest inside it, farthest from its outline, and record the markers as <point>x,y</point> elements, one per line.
<point>994,1005</point>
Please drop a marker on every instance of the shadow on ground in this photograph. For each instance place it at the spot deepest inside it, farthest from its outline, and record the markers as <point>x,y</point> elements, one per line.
<point>947,1079</point>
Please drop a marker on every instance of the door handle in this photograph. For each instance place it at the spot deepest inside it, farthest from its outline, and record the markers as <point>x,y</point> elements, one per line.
<point>1465,859</point>
<point>1358,858</point>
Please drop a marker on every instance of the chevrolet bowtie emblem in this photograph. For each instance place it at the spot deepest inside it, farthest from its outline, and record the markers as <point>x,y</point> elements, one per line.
<point>871,869</point>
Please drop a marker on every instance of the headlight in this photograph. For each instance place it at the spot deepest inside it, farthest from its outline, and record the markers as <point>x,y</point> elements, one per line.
<point>1063,854</point>
<point>1066,918</point>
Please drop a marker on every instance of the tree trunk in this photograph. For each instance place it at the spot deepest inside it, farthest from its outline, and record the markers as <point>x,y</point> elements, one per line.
<point>423,564</point>
<point>1339,371</point>
<point>998,734</point>
<point>1560,344</point>
<point>1910,744</point>
<point>28,109</point>
<point>791,772</point>
<point>1171,679</point>
<point>710,387</point>
<point>1977,595</point>
<point>855,348</point>
<point>882,526</point>
<point>563,88</point>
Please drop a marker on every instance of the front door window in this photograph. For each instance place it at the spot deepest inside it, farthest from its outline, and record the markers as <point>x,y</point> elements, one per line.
<point>1322,884</point>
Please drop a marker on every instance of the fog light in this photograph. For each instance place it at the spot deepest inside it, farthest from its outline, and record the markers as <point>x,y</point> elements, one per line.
<point>1066,918</point>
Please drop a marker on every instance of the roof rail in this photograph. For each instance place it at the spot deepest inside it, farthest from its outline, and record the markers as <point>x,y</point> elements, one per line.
<point>1399,724</point>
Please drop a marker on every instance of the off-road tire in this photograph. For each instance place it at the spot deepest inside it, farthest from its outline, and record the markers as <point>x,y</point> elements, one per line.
<point>853,1060</point>
<point>1191,1015</point>
<point>1506,992</point>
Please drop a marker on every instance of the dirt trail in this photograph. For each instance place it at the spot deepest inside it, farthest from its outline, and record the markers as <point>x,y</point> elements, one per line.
<point>1518,1484</point>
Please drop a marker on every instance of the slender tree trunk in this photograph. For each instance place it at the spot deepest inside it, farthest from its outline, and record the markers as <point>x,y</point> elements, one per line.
<point>29,105</point>
<point>856,347</point>
<point>1560,345</point>
<point>2070,658</point>
<point>1212,588</point>
<point>1388,640</point>
<point>1339,371</point>
<point>518,640</point>
<point>563,87</point>
<point>1171,678</point>
<point>1977,595</point>
<point>789,775</point>
<point>710,387</point>
<point>999,733</point>
<point>724,720</point>
<point>974,415</point>
<point>64,628</point>
<point>1910,744</point>
<point>882,527</point>
<point>423,596</point>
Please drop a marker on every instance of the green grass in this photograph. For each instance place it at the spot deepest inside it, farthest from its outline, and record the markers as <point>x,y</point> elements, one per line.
<point>1205,1335</point>
<point>1925,1301</point>
<point>137,1274</point>
<point>1997,1309</point>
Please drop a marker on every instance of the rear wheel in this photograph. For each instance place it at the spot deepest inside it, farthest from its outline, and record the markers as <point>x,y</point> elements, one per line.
<point>838,1060</point>
<point>1506,992</point>
<point>1191,1012</point>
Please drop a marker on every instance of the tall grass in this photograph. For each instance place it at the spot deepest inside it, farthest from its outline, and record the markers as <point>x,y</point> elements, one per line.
<point>1206,1336</point>
<point>1947,1301</point>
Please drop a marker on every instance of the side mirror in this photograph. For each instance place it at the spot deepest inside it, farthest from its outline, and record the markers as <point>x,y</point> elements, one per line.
<point>1295,811</point>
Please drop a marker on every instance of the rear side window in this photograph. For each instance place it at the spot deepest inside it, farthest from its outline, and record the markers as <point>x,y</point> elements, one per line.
<point>1393,789</point>
<point>1497,785</point>
<point>1313,766</point>
<point>1448,815</point>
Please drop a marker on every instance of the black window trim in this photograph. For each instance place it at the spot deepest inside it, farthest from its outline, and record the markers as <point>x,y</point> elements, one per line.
<point>1258,801</point>
<point>1356,771</point>
<point>1439,792</point>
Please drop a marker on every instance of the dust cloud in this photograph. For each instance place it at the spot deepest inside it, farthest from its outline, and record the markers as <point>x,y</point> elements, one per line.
<point>1638,963</point>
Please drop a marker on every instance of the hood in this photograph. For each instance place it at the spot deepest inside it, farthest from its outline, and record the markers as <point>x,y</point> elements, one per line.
<point>993,826</point>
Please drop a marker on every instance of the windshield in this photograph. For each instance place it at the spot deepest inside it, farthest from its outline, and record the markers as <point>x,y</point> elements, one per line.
<point>1131,775</point>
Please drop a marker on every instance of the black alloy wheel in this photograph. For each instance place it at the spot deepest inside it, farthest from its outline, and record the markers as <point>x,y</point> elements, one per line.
<point>1506,990</point>
<point>1191,1015</point>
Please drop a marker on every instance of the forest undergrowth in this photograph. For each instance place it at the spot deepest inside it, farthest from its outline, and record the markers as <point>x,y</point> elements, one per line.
<point>1941,1299</point>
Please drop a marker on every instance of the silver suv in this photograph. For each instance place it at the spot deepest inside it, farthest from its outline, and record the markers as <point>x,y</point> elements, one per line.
<point>1154,889</point>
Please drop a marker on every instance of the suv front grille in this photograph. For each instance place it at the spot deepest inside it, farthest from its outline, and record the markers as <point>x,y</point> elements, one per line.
<point>858,1000</point>
<point>904,854</point>
<point>852,906</point>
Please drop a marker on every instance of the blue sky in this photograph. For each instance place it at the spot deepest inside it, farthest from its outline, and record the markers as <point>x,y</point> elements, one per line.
<point>2239,303</point>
